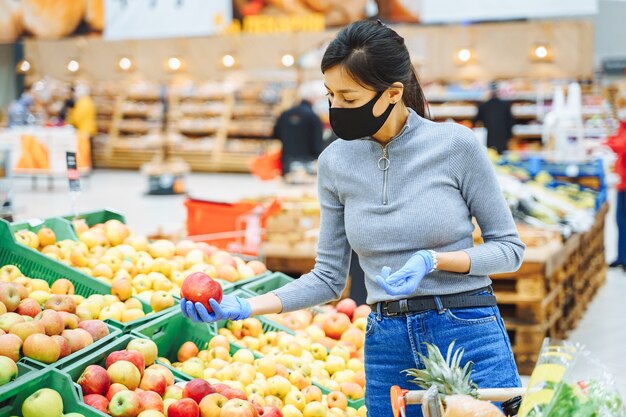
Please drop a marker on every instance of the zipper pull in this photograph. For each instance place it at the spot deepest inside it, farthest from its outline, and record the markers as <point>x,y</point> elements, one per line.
<point>384,162</point>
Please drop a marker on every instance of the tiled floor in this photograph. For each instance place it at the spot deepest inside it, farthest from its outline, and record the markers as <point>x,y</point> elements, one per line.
<point>602,330</point>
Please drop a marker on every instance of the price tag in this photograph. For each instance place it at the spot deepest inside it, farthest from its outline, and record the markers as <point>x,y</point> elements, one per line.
<point>72,172</point>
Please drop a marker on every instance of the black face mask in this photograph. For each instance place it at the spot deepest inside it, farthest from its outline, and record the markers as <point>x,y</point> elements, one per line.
<point>358,122</point>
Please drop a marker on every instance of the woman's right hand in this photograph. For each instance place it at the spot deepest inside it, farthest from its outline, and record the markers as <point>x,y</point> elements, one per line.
<point>230,308</point>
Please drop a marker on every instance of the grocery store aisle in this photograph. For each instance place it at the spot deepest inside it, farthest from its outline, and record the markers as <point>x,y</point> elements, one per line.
<point>602,329</point>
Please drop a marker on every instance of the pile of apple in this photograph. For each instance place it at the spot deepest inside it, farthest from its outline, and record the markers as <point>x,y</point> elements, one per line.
<point>42,324</point>
<point>267,381</point>
<point>111,252</point>
<point>45,402</point>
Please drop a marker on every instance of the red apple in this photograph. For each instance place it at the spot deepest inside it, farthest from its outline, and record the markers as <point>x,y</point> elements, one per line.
<point>361,311</point>
<point>347,306</point>
<point>28,307</point>
<point>94,380</point>
<point>147,348</point>
<point>132,356</point>
<point>219,387</point>
<point>61,303</point>
<point>239,408</point>
<point>52,322</point>
<point>10,346</point>
<point>169,376</point>
<point>153,380</point>
<point>114,389</point>
<point>199,287</point>
<point>64,345</point>
<point>234,393</point>
<point>96,328</point>
<point>125,404</point>
<point>197,389</point>
<point>212,405</point>
<point>98,402</point>
<point>184,408</point>
<point>150,400</point>
<point>271,411</point>
<point>74,339</point>
<point>336,324</point>
<point>41,348</point>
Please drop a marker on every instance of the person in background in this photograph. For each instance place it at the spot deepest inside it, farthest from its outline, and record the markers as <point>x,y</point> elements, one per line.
<point>495,114</point>
<point>20,110</point>
<point>83,115</point>
<point>300,131</point>
<point>618,144</point>
<point>68,105</point>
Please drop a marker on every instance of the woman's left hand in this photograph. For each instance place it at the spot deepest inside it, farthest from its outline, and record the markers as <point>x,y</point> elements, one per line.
<point>406,279</point>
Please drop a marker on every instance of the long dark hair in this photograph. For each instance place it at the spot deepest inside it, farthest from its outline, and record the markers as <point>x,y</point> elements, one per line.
<point>375,56</point>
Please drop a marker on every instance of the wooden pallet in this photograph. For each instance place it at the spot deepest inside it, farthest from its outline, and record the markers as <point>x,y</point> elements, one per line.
<point>530,311</point>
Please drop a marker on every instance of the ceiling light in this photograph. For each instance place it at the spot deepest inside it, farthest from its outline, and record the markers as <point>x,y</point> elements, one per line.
<point>288,60</point>
<point>174,63</point>
<point>125,63</point>
<point>541,52</point>
<point>228,61</point>
<point>73,66</point>
<point>23,66</point>
<point>464,55</point>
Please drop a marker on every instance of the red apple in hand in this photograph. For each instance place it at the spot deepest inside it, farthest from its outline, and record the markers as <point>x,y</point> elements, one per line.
<point>184,408</point>
<point>347,307</point>
<point>197,389</point>
<point>95,380</point>
<point>200,288</point>
<point>98,402</point>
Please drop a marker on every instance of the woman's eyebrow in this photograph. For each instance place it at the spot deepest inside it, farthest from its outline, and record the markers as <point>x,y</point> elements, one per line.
<point>345,90</point>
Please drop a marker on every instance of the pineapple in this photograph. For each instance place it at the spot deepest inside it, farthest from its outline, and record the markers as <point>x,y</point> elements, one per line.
<point>446,374</point>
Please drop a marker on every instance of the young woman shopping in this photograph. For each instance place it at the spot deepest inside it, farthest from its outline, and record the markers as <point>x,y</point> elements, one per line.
<point>401,191</point>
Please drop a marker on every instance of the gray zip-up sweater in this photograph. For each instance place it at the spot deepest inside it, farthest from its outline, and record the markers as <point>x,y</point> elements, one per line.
<point>439,176</point>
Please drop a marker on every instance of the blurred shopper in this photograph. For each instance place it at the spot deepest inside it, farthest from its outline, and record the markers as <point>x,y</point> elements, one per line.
<point>400,190</point>
<point>20,110</point>
<point>495,114</point>
<point>83,115</point>
<point>618,144</point>
<point>68,105</point>
<point>300,131</point>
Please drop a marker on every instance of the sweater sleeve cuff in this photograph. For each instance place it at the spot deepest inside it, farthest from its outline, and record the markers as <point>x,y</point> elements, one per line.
<point>482,261</point>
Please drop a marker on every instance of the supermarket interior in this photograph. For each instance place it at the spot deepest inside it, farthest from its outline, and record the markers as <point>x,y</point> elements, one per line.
<point>312,208</point>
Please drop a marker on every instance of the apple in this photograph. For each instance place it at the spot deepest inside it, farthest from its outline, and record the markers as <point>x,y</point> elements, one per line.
<point>197,389</point>
<point>132,314</point>
<point>95,380</point>
<point>278,386</point>
<point>97,401</point>
<point>151,413</point>
<point>151,400</point>
<point>28,307</point>
<point>52,322</point>
<point>271,411</point>
<point>347,306</point>
<point>114,389</point>
<point>132,356</point>
<point>125,404</point>
<point>61,303</point>
<point>312,393</point>
<point>257,267</point>
<point>146,347</point>
<point>355,336</point>
<point>10,296</point>
<point>125,373</point>
<point>64,345</point>
<point>352,390</point>
<point>10,346</point>
<point>212,405</point>
<point>8,320</point>
<point>184,408</point>
<point>41,348</point>
<point>70,321</point>
<point>153,380</point>
<point>122,288</point>
<point>9,273</point>
<point>199,287</point>
<point>8,370</point>
<point>96,328</point>
<point>161,300</point>
<point>290,410</point>
<point>337,399</point>
<point>173,391</point>
<point>116,232</point>
<point>315,409</point>
<point>335,325</point>
<point>296,398</point>
<point>44,402</point>
<point>234,393</point>
<point>169,376</point>
<point>23,330</point>
<point>238,408</point>
<point>62,286</point>
<point>75,339</point>
<point>188,350</point>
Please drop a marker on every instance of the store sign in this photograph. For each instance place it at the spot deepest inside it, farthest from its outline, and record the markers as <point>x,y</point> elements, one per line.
<point>312,22</point>
<point>149,19</point>
<point>444,11</point>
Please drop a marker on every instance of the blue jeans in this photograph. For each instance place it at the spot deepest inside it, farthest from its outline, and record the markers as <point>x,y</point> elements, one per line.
<point>392,343</point>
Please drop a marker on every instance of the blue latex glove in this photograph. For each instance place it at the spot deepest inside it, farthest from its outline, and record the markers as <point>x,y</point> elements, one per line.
<point>230,308</point>
<point>406,279</point>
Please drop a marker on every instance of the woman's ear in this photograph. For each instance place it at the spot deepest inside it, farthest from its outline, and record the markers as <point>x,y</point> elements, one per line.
<point>395,92</point>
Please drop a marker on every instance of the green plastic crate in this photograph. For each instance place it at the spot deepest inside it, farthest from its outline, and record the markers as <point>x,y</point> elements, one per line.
<point>12,398</point>
<point>268,283</point>
<point>98,216</point>
<point>62,228</point>
<point>241,283</point>
<point>267,324</point>
<point>356,404</point>
<point>25,371</point>
<point>34,264</point>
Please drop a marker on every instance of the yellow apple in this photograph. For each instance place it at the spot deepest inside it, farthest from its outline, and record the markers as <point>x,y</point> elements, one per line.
<point>278,386</point>
<point>315,409</point>
<point>244,356</point>
<point>290,410</point>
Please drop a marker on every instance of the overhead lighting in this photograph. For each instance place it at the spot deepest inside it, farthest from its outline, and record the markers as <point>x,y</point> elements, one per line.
<point>541,52</point>
<point>23,67</point>
<point>73,66</point>
<point>174,63</point>
<point>125,64</point>
<point>464,55</point>
<point>228,61</point>
<point>288,60</point>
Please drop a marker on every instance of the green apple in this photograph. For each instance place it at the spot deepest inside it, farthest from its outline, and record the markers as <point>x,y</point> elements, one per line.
<point>73,415</point>
<point>45,402</point>
<point>8,370</point>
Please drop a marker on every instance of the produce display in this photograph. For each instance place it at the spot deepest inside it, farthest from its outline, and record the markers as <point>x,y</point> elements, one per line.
<point>133,265</point>
<point>46,323</point>
<point>46,402</point>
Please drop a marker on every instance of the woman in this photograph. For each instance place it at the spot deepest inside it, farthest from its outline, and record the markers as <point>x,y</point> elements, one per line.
<point>401,191</point>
